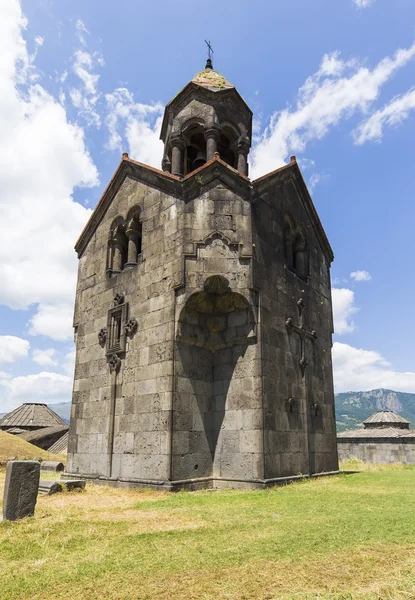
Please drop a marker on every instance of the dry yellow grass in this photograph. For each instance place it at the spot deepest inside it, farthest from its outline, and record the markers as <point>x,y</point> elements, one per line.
<point>340,538</point>
<point>13,446</point>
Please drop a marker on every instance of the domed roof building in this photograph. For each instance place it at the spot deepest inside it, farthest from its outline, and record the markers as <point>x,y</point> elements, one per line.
<point>384,438</point>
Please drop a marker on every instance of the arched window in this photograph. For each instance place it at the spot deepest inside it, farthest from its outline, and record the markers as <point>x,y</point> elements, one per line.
<point>117,247</point>
<point>124,243</point>
<point>289,237</point>
<point>225,148</point>
<point>195,151</point>
<point>295,249</point>
<point>300,262</point>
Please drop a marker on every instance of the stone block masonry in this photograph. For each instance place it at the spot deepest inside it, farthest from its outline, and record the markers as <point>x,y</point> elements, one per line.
<point>187,374</point>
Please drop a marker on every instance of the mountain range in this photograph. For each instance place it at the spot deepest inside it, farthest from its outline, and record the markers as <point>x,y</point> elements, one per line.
<point>352,408</point>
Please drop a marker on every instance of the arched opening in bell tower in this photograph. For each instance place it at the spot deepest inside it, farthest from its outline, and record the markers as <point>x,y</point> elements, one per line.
<point>225,144</point>
<point>195,151</point>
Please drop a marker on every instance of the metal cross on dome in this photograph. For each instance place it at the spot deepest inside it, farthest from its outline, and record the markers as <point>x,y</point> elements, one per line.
<point>210,49</point>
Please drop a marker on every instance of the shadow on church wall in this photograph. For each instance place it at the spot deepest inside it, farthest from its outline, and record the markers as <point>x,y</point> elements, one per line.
<point>215,327</point>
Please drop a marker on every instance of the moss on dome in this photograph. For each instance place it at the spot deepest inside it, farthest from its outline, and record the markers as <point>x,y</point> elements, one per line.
<point>210,78</point>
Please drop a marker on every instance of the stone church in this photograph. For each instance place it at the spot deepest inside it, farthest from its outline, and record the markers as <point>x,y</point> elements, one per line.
<point>203,316</point>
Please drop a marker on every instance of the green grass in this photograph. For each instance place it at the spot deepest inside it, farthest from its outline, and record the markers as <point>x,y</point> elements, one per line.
<point>351,536</point>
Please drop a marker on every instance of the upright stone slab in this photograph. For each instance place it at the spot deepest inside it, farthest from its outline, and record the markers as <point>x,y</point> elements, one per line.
<point>20,490</point>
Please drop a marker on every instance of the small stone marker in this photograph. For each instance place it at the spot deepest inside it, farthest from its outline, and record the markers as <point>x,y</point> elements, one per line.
<point>20,489</point>
<point>51,465</point>
<point>73,484</point>
<point>47,488</point>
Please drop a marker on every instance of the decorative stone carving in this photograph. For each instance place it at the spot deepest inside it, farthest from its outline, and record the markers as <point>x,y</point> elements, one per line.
<point>114,363</point>
<point>302,332</point>
<point>102,336</point>
<point>131,326</point>
<point>119,299</point>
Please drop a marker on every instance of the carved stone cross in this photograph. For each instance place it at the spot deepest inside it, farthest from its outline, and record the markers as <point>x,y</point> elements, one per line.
<point>302,332</point>
<point>309,405</point>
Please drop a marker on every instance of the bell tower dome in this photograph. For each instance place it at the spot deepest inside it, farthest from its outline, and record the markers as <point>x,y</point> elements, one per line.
<point>207,116</point>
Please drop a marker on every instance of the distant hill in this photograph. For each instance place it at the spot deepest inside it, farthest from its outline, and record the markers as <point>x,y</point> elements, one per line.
<point>354,407</point>
<point>63,409</point>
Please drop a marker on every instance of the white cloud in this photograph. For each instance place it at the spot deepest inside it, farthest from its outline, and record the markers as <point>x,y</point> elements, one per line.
<point>339,280</point>
<point>44,358</point>
<point>336,91</point>
<point>41,387</point>
<point>69,363</point>
<point>363,3</point>
<point>356,369</point>
<point>343,310</point>
<point>315,179</point>
<point>39,40</point>
<point>391,115</point>
<point>361,275</point>
<point>43,158</point>
<point>81,30</point>
<point>138,124</point>
<point>12,348</point>
<point>54,321</point>
<point>85,98</point>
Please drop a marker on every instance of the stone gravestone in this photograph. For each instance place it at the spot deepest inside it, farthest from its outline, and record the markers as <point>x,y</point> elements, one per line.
<point>21,488</point>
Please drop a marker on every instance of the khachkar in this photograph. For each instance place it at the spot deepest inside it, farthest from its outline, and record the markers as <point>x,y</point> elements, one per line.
<point>203,316</point>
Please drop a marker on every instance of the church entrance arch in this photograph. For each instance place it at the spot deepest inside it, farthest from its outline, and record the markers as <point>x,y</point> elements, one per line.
<point>215,328</point>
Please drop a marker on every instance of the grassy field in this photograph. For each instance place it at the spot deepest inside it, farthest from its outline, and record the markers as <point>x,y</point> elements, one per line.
<point>345,537</point>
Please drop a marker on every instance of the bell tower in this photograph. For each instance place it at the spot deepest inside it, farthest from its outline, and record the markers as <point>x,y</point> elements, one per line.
<point>207,116</point>
<point>203,316</point>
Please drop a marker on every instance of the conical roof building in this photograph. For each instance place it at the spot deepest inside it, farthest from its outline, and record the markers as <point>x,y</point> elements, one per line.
<point>30,416</point>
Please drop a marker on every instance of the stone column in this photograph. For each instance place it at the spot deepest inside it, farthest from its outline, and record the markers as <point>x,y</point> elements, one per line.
<point>212,137</point>
<point>117,251</point>
<point>133,235</point>
<point>178,146</point>
<point>243,149</point>
<point>166,164</point>
<point>110,254</point>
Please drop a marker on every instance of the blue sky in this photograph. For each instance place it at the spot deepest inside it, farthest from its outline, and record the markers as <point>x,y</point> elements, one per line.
<point>331,81</point>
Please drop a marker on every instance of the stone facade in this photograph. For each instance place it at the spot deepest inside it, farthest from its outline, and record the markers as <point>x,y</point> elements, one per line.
<point>203,316</point>
<point>384,438</point>
<point>378,451</point>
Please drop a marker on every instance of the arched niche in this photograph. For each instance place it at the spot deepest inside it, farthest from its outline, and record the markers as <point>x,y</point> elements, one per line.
<point>215,329</point>
<point>216,317</point>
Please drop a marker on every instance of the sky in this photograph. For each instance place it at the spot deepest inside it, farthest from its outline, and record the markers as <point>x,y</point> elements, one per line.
<point>331,81</point>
